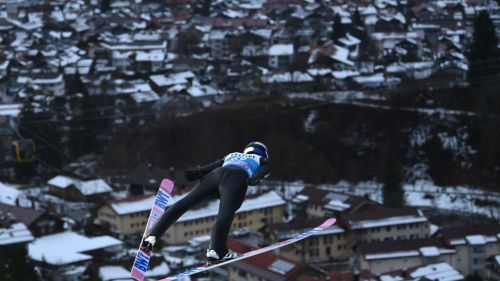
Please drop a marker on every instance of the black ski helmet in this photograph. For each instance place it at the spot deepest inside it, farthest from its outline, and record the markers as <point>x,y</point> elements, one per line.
<point>258,148</point>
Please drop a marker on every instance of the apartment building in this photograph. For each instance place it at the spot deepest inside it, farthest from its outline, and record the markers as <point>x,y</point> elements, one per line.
<point>388,256</point>
<point>473,245</point>
<point>369,223</point>
<point>467,249</point>
<point>129,216</point>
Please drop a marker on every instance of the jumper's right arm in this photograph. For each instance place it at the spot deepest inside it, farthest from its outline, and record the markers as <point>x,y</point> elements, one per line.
<point>194,174</point>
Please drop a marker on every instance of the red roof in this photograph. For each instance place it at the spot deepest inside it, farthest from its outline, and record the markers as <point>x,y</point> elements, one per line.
<point>264,260</point>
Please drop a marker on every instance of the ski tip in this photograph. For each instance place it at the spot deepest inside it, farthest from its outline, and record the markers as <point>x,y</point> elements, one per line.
<point>168,185</point>
<point>328,222</point>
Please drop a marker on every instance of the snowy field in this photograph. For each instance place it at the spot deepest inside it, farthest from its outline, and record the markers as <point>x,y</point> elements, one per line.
<point>420,194</point>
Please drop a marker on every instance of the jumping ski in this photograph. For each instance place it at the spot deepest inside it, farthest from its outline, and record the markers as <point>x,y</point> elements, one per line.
<point>298,237</point>
<point>143,256</point>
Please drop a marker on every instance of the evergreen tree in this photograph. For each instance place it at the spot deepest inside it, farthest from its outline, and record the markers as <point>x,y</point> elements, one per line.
<point>206,8</point>
<point>338,28</point>
<point>105,5</point>
<point>484,56</point>
<point>392,191</point>
<point>473,277</point>
<point>15,265</point>
<point>356,18</point>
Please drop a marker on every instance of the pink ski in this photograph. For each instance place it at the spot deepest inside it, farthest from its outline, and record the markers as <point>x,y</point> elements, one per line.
<point>142,258</point>
<point>298,237</point>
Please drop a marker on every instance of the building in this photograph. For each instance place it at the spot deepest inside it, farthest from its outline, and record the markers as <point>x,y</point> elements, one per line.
<point>474,246</point>
<point>264,267</point>
<point>436,272</point>
<point>469,250</point>
<point>369,223</point>
<point>38,222</point>
<point>389,256</point>
<point>66,255</point>
<point>48,83</point>
<point>129,216</point>
<point>77,190</point>
<point>319,203</point>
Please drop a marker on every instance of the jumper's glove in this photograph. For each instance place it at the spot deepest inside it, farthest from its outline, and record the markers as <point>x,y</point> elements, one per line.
<point>192,175</point>
<point>253,181</point>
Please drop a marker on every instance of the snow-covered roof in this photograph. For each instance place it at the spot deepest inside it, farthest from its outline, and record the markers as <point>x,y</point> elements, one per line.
<point>150,56</point>
<point>8,194</point>
<point>265,200</point>
<point>40,81</point>
<point>16,233</point>
<point>287,77</point>
<point>86,187</point>
<point>349,40</point>
<point>343,74</point>
<point>476,239</point>
<point>438,272</point>
<point>68,247</point>
<point>341,55</point>
<point>387,221</point>
<point>392,255</point>
<point>336,205</point>
<point>281,50</point>
<point>429,251</point>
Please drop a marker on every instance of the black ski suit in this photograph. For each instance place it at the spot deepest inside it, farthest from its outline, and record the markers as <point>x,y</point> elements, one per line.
<point>229,184</point>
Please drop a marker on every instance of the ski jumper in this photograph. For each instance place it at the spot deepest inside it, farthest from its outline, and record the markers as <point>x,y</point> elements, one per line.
<point>226,179</point>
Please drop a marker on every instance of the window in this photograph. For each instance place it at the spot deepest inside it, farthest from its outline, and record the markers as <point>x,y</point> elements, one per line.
<point>388,228</point>
<point>328,251</point>
<point>313,252</point>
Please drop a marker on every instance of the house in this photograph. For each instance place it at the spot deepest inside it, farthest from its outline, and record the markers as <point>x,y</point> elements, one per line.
<point>147,62</point>
<point>129,216</point>
<point>38,222</point>
<point>49,83</point>
<point>66,255</point>
<point>280,55</point>
<point>330,56</point>
<point>13,233</point>
<point>265,267</point>
<point>436,272</point>
<point>72,189</point>
<point>388,40</point>
<point>313,202</point>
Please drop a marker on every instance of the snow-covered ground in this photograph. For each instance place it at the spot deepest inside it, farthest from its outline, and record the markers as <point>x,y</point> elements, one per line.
<point>423,193</point>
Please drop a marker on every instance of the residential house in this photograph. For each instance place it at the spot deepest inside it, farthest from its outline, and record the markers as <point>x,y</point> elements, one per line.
<point>280,55</point>
<point>38,222</point>
<point>49,83</point>
<point>389,40</point>
<point>129,216</point>
<point>436,272</point>
<point>66,255</point>
<point>72,189</point>
<point>148,62</point>
<point>330,56</point>
<point>314,202</point>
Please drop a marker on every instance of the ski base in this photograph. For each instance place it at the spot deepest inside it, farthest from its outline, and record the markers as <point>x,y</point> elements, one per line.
<point>329,222</point>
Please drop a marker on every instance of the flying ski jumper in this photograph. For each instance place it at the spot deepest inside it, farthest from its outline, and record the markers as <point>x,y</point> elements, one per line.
<point>226,179</point>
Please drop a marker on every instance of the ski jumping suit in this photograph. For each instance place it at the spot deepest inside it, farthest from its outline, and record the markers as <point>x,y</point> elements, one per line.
<point>226,179</point>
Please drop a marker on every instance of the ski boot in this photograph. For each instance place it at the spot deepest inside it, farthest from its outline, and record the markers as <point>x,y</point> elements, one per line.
<point>148,244</point>
<point>213,257</point>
